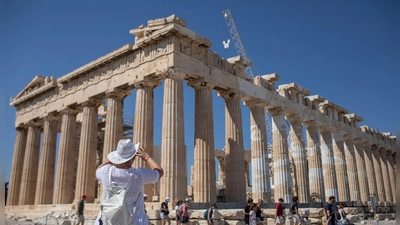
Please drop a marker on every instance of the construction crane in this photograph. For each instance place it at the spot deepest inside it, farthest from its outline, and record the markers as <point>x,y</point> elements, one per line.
<point>236,39</point>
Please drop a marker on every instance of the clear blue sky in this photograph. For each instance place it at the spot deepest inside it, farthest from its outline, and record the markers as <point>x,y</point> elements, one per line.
<point>342,50</point>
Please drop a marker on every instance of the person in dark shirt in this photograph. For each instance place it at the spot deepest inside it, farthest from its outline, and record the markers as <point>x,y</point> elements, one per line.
<point>79,211</point>
<point>247,211</point>
<point>295,211</point>
<point>329,210</point>
<point>259,218</point>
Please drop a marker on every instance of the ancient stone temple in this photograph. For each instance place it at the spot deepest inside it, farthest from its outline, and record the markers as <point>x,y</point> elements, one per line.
<point>338,158</point>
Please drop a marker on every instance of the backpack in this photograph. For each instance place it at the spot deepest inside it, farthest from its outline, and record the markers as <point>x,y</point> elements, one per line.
<point>114,207</point>
<point>205,216</point>
<point>179,211</point>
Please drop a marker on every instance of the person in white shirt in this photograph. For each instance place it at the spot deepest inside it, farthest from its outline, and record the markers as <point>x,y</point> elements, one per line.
<point>119,164</point>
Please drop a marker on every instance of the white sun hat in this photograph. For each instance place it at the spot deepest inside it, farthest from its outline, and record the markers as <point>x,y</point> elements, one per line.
<point>145,196</point>
<point>167,199</point>
<point>125,151</point>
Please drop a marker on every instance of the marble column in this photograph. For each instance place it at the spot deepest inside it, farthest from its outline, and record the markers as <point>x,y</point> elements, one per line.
<point>392,173</point>
<point>64,185</point>
<point>114,121</point>
<point>234,153</point>
<point>351,168</point>
<point>316,178</point>
<point>361,169</point>
<point>261,184</point>
<point>386,176</point>
<point>340,166</point>
<point>222,172</point>
<point>143,131</point>
<point>30,168</point>
<point>378,174</point>
<point>86,170</point>
<point>17,166</point>
<point>328,163</point>
<point>44,193</point>
<point>173,147</point>
<point>282,177</point>
<point>369,166</point>
<point>204,162</point>
<point>298,153</point>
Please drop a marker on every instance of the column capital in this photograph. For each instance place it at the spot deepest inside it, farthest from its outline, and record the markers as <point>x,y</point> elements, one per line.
<point>21,128</point>
<point>347,137</point>
<point>146,83</point>
<point>366,144</point>
<point>200,84</point>
<point>117,93</point>
<point>374,147</point>
<point>92,102</point>
<point>293,117</point>
<point>229,95</point>
<point>310,123</point>
<point>52,117</point>
<point>358,140</point>
<point>70,110</point>
<point>173,73</point>
<point>254,103</point>
<point>382,150</point>
<point>34,123</point>
<point>277,111</point>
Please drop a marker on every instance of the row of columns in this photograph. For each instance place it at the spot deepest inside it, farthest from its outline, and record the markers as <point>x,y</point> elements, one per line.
<point>328,164</point>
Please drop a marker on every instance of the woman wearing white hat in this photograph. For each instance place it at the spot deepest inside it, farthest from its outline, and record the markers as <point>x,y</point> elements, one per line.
<point>118,168</point>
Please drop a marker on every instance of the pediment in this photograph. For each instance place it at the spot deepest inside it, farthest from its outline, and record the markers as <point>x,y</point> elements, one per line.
<point>37,83</point>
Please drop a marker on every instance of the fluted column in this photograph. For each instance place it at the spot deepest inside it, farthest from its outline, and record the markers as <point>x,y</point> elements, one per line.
<point>369,166</point>
<point>328,163</point>
<point>340,166</point>
<point>361,170</point>
<point>378,174</point>
<point>44,193</point>
<point>386,176</point>
<point>351,168</point>
<point>392,173</point>
<point>261,184</point>
<point>316,178</point>
<point>172,145</point>
<point>86,170</point>
<point>30,168</point>
<point>298,153</point>
<point>221,171</point>
<point>143,131</point>
<point>17,166</point>
<point>282,177</point>
<point>204,162</point>
<point>114,121</point>
<point>234,153</point>
<point>64,185</point>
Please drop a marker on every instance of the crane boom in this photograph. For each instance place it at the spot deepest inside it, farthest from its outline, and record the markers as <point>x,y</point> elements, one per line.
<point>236,39</point>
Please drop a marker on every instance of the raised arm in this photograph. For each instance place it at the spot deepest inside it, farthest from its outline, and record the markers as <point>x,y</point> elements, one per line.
<point>152,163</point>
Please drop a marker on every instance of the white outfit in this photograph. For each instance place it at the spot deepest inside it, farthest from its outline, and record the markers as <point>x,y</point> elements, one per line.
<point>253,219</point>
<point>140,177</point>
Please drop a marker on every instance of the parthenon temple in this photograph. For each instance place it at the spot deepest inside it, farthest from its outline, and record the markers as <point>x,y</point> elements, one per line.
<point>329,153</point>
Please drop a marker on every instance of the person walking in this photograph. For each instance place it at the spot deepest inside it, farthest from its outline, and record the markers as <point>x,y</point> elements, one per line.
<point>279,218</point>
<point>79,211</point>
<point>342,214</point>
<point>259,218</point>
<point>297,219</point>
<point>210,214</point>
<point>118,169</point>
<point>328,209</point>
<point>185,211</point>
<point>253,216</point>
<point>178,213</point>
<point>247,211</point>
<point>165,212</point>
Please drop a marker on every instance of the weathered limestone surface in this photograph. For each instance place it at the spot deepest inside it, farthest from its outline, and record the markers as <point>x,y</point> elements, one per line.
<point>385,175</point>
<point>63,188</point>
<point>204,145</point>
<point>369,166</point>
<point>362,173</point>
<point>44,193</point>
<point>340,167</point>
<point>378,174</point>
<point>328,163</point>
<point>351,169</point>
<point>17,167</point>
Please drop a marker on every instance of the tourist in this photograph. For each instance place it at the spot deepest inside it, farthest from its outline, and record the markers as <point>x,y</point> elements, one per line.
<point>185,211</point>
<point>165,212</point>
<point>342,214</point>
<point>178,212</point>
<point>253,217</point>
<point>328,209</point>
<point>247,211</point>
<point>259,218</point>
<point>333,218</point>
<point>297,219</point>
<point>119,166</point>
<point>279,218</point>
<point>210,214</point>
<point>79,211</point>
